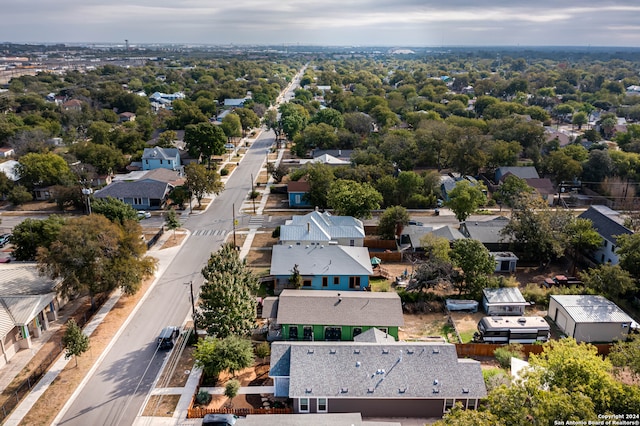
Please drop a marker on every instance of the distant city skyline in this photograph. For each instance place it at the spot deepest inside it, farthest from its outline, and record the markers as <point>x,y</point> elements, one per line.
<point>327,22</point>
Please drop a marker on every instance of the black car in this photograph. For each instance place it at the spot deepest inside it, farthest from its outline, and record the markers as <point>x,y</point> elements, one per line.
<point>219,420</point>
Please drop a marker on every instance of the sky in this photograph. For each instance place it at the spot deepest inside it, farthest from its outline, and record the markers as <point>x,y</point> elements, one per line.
<point>398,23</point>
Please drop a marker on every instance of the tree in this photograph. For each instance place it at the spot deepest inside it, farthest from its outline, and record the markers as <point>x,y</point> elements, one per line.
<point>113,209</point>
<point>627,355</point>
<point>231,390</point>
<point>92,254</point>
<point>465,198</point>
<point>579,119</point>
<point>295,279</point>
<point>320,176</point>
<point>476,263</point>
<point>436,247</point>
<point>629,253</point>
<point>391,219</point>
<point>248,119</point>
<point>30,234</point>
<point>511,188</point>
<point>172,222</point>
<point>581,235</point>
<point>278,172</point>
<point>201,181</point>
<point>231,354</point>
<point>204,139</point>
<point>349,198</point>
<point>167,138</point>
<point>329,116</point>
<point>19,195</point>
<point>263,350</point>
<point>227,298</point>
<point>231,126</point>
<point>611,280</point>
<point>461,417</point>
<point>74,341</point>
<point>293,119</point>
<point>43,170</point>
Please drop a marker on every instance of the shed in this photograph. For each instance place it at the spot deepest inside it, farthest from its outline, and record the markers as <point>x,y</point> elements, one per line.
<point>506,261</point>
<point>503,301</point>
<point>589,318</point>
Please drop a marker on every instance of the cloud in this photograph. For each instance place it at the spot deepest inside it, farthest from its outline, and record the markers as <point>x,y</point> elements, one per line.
<point>335,22</point>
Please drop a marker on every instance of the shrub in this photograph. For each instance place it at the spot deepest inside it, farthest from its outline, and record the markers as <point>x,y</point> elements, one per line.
<point>276,232</point>
<point>494,378</point>
<point>203,397</point>
<point>263,350</point>
<point>224,172</point>
<point>504,354</point>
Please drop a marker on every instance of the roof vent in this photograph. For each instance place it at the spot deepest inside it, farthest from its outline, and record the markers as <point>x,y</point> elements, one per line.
<point>410,351</point>
<point>522,320</point>
<point>435,382</point>
<point>370,390</point>
<point>402,390</point>
<point>436,350</point>
<point>356,351</point>
<point>290,246</point>
<point>344,390</point>
<point>308,390</point>
<point>385,351</point>
<point>465,390</point>
<point>358,364</point>
<point>309,351</point>
<point>332,351</point>
<point>307,246</point>
<point>436,390</point>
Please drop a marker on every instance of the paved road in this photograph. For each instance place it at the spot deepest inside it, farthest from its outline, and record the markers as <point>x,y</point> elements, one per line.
<point>114,394</point>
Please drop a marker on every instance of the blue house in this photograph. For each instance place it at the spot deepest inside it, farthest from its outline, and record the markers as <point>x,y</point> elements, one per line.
<point>297,191</point>
<point>161,158</point>
<point>322,267</point>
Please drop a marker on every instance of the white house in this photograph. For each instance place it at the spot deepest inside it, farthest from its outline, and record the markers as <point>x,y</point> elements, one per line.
<point>609,225</point>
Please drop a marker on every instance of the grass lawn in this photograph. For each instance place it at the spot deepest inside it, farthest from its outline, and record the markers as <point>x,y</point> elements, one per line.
<point>380,284</point>
<point>466,336</point>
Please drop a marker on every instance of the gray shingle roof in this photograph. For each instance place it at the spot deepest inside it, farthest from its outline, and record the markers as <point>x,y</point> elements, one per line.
<point>327,307</point>
<point>606,222</point>
<point>411,370</point>
<point>321,260</point>
<point>157,152</point>
<point>487,232</point>
<point>373,335</point>
<point>270,307</point>
<point>146,188</point>
<point>590,309</point>
<point>523,172</point>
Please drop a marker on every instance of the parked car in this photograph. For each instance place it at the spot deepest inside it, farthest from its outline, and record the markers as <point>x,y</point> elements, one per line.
<point>143,214</point>
<point>4,239</point>
<point>415,223</point>
<point>167,337</point>
<point>5,259</point>
<point>219,420</point>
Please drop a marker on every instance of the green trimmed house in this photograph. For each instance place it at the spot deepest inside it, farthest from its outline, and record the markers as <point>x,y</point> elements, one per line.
<point>331,315</point>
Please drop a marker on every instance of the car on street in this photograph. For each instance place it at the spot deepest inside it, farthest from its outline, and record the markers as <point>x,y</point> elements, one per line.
<point>142,214</point>
<point>5,259</point>
<point>219,420</point>
<point>4,239</point>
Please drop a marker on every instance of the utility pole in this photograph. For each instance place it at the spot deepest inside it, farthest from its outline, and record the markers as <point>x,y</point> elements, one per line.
<point>193,309</point>
<point>253,198</point>
<point>234,227</point>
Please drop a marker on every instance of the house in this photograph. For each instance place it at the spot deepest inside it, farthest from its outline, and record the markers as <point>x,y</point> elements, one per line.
<point>6,152</point>
<point>609,225</point>
<point>523,172</point>
<point>327,159</point>
<point>322,228</point>
<point>488,232</point>
<point>390,379</point>
<point>126,116</point>
<point>334,315</point>
<point>503,301</point>
<point>589,318</point>
<point>297,191</point>
<point>163,158</point>
<point>236,103</point>
<point>28,302</point>
<point>448,183</point>
<point>633,90</point>
<point>144,194</point>
<point>322,267</point>
<point>544,187</point>
<point>72,105</point>
<point>321,419</point>
<point>506,261</point>
<point>340,154</point>
<point>412,235</point>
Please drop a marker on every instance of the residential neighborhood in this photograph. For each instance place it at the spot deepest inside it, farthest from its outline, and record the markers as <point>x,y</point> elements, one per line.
<point>374,239</point>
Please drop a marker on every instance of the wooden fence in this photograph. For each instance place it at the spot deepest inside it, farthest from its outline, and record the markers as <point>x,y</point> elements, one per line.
<point>487,349</point>
<point>198,413</point>
<point>376,243</point>
<point>394,256</point>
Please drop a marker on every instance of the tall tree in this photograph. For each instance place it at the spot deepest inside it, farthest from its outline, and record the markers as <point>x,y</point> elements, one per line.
<point>349,198</point>
<point>227,298</point>
<point>113,209</point>
<point>201,181</point>
<point>611,280</point>
<point>204,139</point>
<point>476,263</point>
<point>626,355</point>
<point>231,126</point>
<point>629,252</point>
<point>581,235</point>
<point>390,220</point>
<point>465,198</point>
<point>74,341</point>
<point>30,234</point>
<point>171,221</point>
<point>92,254</point>
<point>43,170</point>
<point>512,188</point>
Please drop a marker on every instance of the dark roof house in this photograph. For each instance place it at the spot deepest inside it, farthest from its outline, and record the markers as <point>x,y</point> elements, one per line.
<point>609,225</point>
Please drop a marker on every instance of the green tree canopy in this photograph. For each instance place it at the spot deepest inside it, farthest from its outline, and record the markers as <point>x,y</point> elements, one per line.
<point>476,263</point>
<point>390,220</point>
<point>629,252</point>
<point>227,298</point>
<point>465,198</point>
<point>113,209</point>
<point>204,139</point>
<point>74,341</point>
<point>611,280</point>
<point>30,234</point>
<point>201,181</point>
<point>43,170</point>
<point>349,198</point>
<point>92,254</point>
<point>231,354</point>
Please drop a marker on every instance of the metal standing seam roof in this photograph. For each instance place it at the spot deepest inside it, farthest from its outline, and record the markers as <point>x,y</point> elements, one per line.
<point>353,370</point>
<point>591,309</point>
<point>25,308</point>
<point>321,260</point>
<point>6,320</point>
<point>328,307</point>
<point>333,226</point>
<point>505,296</point>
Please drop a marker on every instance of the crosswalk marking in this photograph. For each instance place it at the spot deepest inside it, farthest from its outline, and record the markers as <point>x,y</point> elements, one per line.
<point>209,232</point>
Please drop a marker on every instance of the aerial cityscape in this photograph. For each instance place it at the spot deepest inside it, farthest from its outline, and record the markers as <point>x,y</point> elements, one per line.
<point>305,213</point>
